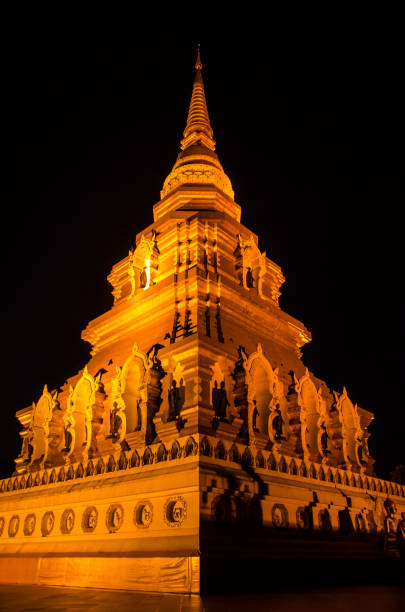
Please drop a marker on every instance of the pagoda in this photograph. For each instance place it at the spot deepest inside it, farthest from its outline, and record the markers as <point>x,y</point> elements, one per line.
<point>195,438</point>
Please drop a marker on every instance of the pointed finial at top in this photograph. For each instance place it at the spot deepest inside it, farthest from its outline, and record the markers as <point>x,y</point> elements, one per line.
<point>198,64</point>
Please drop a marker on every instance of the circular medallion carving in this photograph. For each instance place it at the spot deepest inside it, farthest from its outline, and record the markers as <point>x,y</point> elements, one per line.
<point>143,514</point>
<point>175,511</point>
<point>279,516</point>
<point>89,520</point>
<point>29,524</point>
<point>114,517</point>
<point>67,521</point>
<point>2,523</point>
<point>303,518</point>
<point>47,523</point>
<point>13,526</point>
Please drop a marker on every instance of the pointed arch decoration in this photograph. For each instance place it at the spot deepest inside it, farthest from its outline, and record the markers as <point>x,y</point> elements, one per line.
<point>352,433</point>
<point>266,418</point>
<point>36,439</point>
<point>78,417</point>
<point>310,413</point>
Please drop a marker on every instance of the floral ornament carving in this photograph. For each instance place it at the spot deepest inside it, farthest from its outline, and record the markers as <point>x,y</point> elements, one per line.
<point>143,514</point>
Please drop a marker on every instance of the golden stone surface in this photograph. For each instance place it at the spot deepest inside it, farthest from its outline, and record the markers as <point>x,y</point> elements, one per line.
<point>194,412</point>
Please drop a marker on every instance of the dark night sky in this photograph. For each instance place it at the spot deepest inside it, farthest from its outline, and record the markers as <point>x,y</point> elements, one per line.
<point>309,129</point>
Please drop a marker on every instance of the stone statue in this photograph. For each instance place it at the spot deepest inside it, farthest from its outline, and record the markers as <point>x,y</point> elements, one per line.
<point>360,454</point>
<point>143,278</point>
<point>324,440</point>
<point>220,401</point>
<point>115,422</point>
<point>174,402</point>
<point>278,424</point>
<point>255,414</point>
<point>68,440</point>
<point>390,527</point>
<point>139,415</point>
<point>249,278</point>
<point>401,536</point>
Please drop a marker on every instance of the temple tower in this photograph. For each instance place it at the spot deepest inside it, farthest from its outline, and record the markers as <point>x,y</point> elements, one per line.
<point>195,416</point>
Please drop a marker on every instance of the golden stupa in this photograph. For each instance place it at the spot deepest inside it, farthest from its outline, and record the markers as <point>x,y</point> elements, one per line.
<point>195,439</point>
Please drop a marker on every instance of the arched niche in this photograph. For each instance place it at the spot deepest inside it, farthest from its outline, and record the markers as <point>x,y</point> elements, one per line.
<point>37,447</point>
<point>173,391</point>
<point>265,416</point>
<point>134,391</point>
<point>351,431</point>
<point>81,404</point>
<point>250,264</point>
<point>221,390</point>
<point>309,402</point>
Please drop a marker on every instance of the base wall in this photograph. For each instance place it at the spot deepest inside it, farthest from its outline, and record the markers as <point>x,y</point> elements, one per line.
<point>163,574</point>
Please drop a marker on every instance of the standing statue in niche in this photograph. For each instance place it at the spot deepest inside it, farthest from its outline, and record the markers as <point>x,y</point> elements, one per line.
<point>390,528</point>
<point>138,415</point>
<point>255,414</point>
<point>220,401</point>
<point>28,448</point>
<point>249,278</point>
<point>360,453</point>
<point>143,279</point>
<point>115,423</point>
<point>278,424</point>
<point>401,536</point>
<point>68,440</point>
<point>68,431</point>
<point>174,402</point>
<point>324,440</point>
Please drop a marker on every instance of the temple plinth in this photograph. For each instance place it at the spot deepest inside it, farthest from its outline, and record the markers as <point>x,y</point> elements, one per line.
<point>195,437</point>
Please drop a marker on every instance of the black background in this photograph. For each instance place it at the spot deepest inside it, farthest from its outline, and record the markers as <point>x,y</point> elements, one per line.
<point>309,127</point>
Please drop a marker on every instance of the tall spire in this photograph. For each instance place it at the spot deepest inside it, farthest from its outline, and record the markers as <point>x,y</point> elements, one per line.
<point>198,128</point>
<point>197,162</point>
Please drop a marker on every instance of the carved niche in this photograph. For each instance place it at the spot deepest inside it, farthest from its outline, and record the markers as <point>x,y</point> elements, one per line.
<point>36,434</point>
<point>78,418</point>
<point>138,271</point>
<point>352,433</point>
<point>169,420</point>
<point>136,391</point>
<point>257,272</point>
<point>308,400</point>
<point>226,420</point>
<point>250,264</point>
<point>266,412</point>
<point>324,435</point>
